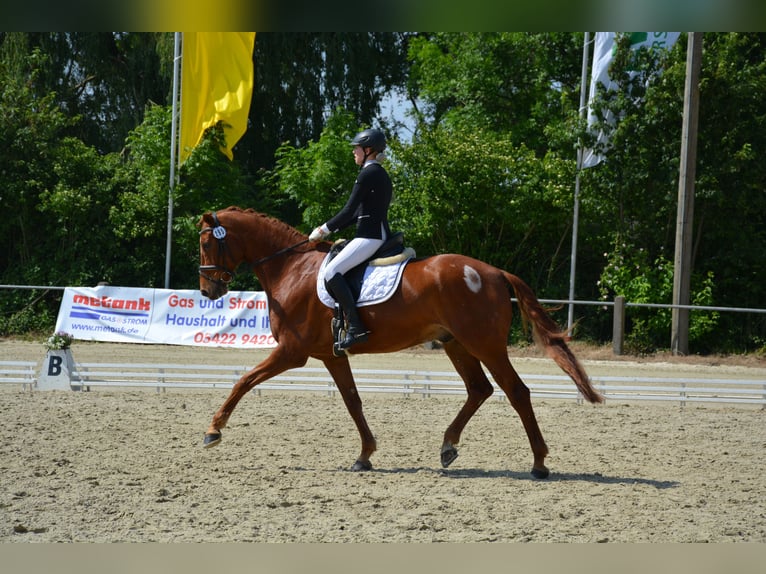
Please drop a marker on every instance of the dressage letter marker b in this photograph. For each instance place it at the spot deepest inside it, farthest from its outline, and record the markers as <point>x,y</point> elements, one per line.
<point>54,365</point>
<point>56,371</point>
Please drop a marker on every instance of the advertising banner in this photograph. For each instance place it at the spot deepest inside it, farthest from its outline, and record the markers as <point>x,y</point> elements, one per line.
<point>166,316</point>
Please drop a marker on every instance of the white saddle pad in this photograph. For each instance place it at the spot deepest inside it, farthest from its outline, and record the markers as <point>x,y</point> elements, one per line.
<point>378,285</point>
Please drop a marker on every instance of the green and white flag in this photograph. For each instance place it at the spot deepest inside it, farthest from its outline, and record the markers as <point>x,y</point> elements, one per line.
<point>603,52</point>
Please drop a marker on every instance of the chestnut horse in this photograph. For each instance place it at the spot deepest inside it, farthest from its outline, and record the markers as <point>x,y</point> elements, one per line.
<point>461,302</point>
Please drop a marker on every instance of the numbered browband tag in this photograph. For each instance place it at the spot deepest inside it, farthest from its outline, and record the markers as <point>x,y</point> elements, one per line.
<point>219,232</point>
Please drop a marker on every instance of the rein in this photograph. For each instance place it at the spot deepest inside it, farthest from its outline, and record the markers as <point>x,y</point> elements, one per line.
<point>219,232</point>
<point>278,253</point>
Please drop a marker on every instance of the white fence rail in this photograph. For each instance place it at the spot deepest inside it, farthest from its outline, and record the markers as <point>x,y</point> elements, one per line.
<point>424,383</point>
<point>22,373</point>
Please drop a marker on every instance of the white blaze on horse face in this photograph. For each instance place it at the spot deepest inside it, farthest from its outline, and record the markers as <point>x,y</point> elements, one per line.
<point>472,278</point>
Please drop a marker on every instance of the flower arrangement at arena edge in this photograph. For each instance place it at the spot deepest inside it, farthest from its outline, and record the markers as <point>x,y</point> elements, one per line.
<point>58,341</point>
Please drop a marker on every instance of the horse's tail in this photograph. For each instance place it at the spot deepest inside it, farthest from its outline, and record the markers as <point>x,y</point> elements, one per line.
<point>550,337</point>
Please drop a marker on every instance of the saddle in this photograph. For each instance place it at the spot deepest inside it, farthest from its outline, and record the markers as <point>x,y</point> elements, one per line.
<point>392,251</point>
<point>386,265</point>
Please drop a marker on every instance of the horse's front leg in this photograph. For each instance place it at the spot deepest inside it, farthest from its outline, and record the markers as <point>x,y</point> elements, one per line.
<point>341,373</point>
<point>277,362</point>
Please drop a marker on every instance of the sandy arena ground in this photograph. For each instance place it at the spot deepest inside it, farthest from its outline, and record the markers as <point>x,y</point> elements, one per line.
<point>128,465</point>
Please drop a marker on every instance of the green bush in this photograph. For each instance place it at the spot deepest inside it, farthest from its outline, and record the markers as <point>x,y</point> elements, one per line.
<point>632,273</point>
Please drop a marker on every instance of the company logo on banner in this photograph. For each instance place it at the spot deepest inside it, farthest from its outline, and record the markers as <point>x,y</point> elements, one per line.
<point>167,316</point>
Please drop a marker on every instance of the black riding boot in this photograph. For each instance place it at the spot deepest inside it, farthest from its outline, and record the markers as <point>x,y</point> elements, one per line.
<point>357,332</point>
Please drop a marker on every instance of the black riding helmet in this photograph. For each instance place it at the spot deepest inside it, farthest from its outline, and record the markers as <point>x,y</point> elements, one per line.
<point>372,138</point>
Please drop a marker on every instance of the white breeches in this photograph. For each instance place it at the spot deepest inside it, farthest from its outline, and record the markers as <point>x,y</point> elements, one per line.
<point>358,250</point>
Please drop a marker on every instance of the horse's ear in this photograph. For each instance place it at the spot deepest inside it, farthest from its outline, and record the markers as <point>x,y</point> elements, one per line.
<point>206,220</point>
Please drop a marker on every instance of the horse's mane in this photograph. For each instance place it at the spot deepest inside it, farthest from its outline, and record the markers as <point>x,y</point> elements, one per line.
<point>272,222</point>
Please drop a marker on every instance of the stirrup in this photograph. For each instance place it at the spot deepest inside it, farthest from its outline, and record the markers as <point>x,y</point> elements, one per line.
<point>352,339</point>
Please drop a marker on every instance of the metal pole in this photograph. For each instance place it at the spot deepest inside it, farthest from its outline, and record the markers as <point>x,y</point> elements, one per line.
<point>576,215</point>
<point>173,149</point>
<point>679,339</point>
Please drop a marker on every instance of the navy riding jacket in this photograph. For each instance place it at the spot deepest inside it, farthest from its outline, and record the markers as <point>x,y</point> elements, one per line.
<point>367,204</point>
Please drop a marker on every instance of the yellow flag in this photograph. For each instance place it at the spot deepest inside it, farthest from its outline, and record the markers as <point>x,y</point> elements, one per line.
<point>216,85</point>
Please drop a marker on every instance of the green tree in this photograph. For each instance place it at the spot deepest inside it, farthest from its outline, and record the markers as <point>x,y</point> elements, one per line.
<point>207,181</point>
<point>57,188</point>
<point>520,84</point>
<point>479,194</point>
<point>104,78</point>
<point>302,78</point>
<point>57,191</point>
<point>319,176</point>
<point>730,202</point>
<point>491,167</point>
<point>28,127</point>
<point>630,273</point>
<point>636,185</point>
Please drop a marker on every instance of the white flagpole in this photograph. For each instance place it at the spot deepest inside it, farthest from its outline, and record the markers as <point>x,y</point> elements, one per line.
<point>173,150</point>
<point>576,216</point>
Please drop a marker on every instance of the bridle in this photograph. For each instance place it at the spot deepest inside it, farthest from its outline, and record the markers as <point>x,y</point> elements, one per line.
<point>219,232</point>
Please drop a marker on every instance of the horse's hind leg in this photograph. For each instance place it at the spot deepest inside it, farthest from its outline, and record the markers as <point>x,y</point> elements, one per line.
<point>479,390</point>
<point>518,393</point>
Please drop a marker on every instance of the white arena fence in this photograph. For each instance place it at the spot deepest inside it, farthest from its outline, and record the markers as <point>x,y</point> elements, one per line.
<point>87,376</point>
<point>22,373</point>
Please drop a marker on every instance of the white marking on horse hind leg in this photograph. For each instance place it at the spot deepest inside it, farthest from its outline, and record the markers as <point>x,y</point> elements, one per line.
<point>472,278</point>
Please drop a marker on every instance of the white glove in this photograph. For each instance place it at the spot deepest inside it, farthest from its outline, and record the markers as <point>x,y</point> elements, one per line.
<point>319,233</point>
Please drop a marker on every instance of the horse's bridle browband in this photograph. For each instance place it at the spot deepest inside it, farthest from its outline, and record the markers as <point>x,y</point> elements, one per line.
<point>219,232</point>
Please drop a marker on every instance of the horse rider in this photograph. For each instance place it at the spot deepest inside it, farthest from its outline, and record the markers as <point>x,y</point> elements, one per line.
<point>368,207</point>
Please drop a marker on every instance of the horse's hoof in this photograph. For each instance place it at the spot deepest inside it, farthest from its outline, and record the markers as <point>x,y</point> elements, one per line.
<point>361,465</point>
<point>449,454</point>
<point>211,439</point>
<point>540,472</point>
